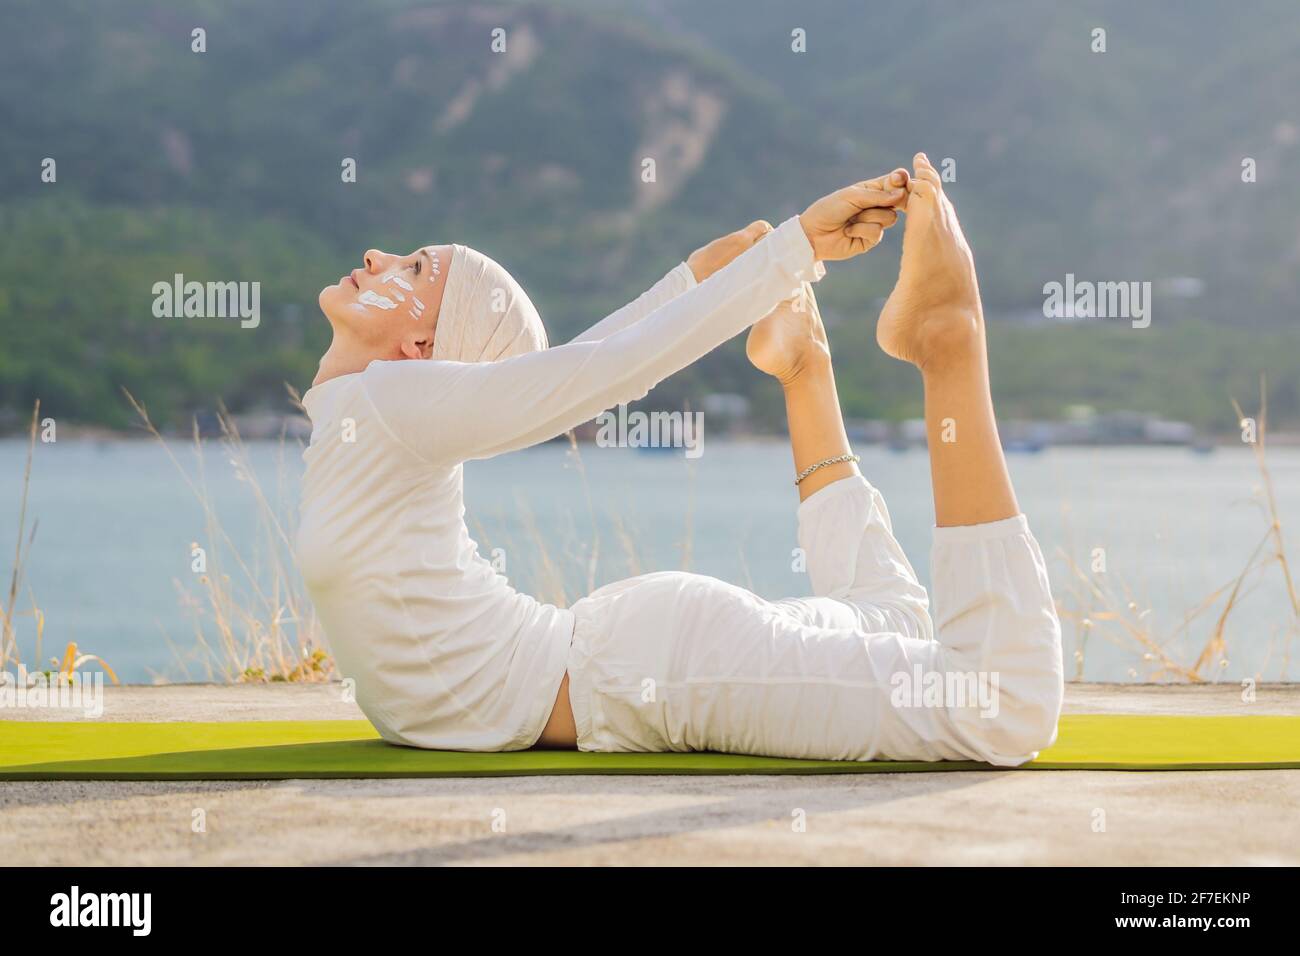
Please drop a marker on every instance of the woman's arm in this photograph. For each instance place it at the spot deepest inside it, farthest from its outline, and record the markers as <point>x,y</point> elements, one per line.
<point>447,412</point>
<point>701,264</point>
<point>679,280</point>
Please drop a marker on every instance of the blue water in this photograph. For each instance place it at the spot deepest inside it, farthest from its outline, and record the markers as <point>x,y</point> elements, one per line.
<point>116,523</point>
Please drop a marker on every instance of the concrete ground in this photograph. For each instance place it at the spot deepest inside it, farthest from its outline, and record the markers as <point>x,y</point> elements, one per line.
<point>1201,818</point>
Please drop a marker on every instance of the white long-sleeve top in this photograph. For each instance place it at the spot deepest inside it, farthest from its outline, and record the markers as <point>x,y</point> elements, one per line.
<point>444,652</point>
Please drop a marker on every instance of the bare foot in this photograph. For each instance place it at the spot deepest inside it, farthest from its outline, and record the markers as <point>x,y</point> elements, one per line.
<point>934,312</point>
<point>790,339</point>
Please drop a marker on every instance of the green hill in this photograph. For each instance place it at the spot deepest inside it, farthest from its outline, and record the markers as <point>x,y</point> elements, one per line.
<point>225,165</point>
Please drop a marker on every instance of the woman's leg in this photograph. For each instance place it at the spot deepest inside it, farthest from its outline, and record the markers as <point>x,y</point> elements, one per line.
<point>997,625</point>
<point>790,345</point>
<point>683,662</point>
<point>994,611</point>
<point>848,544</point>
<point>934,320</point>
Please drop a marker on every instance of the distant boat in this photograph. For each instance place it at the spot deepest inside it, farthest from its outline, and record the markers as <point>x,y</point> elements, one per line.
<point>1023,446</point>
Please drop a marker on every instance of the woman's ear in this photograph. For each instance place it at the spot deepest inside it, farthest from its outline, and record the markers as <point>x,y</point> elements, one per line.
<point>418,345</point>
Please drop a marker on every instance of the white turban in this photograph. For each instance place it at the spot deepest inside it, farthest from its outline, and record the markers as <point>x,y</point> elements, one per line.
<point>485,314</point>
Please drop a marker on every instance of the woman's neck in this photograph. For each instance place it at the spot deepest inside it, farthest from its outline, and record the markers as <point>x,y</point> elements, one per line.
<point>343,357</point>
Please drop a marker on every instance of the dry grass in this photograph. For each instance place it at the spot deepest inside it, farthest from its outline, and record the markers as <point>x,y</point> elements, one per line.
<point>65,668</point>
<point>1104,606</point>
<point>252,621</point>
<point>9,610</point>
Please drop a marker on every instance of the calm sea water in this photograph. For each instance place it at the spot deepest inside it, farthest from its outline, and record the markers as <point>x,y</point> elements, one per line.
<point>110,561</point>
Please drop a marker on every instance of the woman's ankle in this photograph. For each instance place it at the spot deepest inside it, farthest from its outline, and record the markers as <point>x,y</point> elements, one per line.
<point>812,368</point>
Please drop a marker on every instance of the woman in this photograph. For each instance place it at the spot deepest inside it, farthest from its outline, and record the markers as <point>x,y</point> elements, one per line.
<point>439,358</point>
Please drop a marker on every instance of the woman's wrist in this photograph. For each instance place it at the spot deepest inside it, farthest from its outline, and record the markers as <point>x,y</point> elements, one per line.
<point>705,261</point>
<point>697,267</point>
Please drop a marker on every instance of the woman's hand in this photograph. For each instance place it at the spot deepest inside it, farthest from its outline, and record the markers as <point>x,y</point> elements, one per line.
<point>709,259</point>
<point>852,220</point>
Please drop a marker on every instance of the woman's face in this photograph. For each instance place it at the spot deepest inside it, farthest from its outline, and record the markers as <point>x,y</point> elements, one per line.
<point>391,302</point>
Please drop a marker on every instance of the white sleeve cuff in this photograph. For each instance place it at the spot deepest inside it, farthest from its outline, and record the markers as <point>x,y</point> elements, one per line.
<point>989,531</point>
<point>684,277</point>
<point>794,249</point>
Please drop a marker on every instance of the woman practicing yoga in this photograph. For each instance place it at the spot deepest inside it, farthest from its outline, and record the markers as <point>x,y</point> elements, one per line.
<point>439,357</point>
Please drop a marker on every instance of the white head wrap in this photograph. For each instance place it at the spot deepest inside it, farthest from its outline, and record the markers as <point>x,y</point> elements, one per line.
<point>485,314</point>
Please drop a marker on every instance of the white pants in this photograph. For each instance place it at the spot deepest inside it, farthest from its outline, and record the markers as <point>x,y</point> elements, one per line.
<point>680,662</point>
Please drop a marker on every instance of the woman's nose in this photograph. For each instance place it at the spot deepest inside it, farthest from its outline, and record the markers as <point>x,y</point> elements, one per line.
<point>374,260</point>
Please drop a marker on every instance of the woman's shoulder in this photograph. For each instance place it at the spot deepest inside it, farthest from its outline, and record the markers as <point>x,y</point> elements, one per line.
<point>409,369</point>
<point>403,381</point>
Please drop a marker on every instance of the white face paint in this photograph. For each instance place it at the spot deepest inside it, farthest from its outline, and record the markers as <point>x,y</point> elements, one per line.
<point>383,302</point>
<point>397,280</point>
<point>417,306</point>
<point>378,301</point>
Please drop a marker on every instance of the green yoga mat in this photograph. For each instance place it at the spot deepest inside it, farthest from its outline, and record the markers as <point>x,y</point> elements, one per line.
<point>276,750</point>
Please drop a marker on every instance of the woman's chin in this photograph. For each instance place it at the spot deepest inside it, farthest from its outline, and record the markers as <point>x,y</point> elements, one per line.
<point>330,302</point>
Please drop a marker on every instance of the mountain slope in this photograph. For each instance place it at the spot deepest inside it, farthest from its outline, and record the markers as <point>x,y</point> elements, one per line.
<point>225,165</point>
